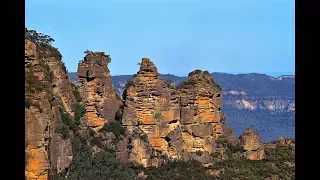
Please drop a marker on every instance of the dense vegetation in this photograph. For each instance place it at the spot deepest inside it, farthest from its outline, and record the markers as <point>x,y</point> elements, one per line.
<point>178,170</point>
<point>115,127</point>
<point>276,164</point>
<point>69,123</point>
<point>98,166</point>
<point>228,166</point>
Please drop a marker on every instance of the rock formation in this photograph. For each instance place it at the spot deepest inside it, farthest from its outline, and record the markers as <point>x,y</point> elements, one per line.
<point>254,149</point>
<point>96,89</point>
<point>48,89</point>
<point>287,142</point>
<point>177,122</point>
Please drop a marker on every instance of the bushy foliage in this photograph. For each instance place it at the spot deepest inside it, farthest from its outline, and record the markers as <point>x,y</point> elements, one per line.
<point>48,74</point>
<point>222,142</point>
<point>79,111</point>
<point>98,166</point>
<point>178,170</point>
<point>242,168</point>
<point>96,141</point>
<point>33,84</point>
<point>188,84</point>
<point>114,127</point>
<point>43,43</point>
<point>38,38</point>
<point>280,153</point>
<point>76,93</point>
<point>69,124</point>
<point>63,131</point>
<point>27,102</point>
<point>91,132</point>
<point>118,116</point>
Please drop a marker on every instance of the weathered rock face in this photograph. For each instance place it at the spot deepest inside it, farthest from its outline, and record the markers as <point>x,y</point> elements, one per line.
<point>176,122</point>
<point>201,114</point>
<point>254,149</point>
<point>46,152</point>
<point>96,89</point>
<point>151,110</point>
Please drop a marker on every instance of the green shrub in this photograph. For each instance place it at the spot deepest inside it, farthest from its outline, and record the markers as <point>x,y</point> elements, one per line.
<point>178,170</point>
<point>65,117</point>
<point>33,84</point>
<point>91,132</point>
<point>76,94</point>
<point>144,137</point>
<point>118,116</point>
<point>79,111</point>
<point>43,43</point>
<point>187,84</point>
<point>27,102</point>
<point>280,153</point>
<point>199,153</point>
<point>67,123</point>
<point>96,141</point>
<point>63,131</point>
<point>114,127</point>
<point>101,165</point>
<point>48,74</point>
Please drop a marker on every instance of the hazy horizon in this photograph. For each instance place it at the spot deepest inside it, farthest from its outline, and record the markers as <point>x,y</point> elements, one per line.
<point>273,74</point>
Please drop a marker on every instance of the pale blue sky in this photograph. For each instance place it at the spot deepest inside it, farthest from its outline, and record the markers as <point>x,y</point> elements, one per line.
<point>232,36</point>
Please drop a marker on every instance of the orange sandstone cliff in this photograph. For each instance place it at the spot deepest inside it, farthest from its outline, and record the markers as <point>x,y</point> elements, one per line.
<point>172,122</point>
<point>96,89</point>
<point>47,90</point>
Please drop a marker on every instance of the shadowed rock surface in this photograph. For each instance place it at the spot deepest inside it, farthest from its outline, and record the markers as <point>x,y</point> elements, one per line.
<point>48,89</point>
<point>95,86</point>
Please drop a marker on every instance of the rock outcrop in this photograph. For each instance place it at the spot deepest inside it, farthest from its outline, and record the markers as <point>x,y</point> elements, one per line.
<point>287,142</point>
<point>48,88</point>
<point>254,149</point>
<point>96,89</point>
<point>177,122</point>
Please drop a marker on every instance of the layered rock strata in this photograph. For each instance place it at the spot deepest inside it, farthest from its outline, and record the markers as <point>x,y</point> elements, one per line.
<point>47,86</point>
<point>254,149</point>
<point>96,89</point>
<point>177,122</point>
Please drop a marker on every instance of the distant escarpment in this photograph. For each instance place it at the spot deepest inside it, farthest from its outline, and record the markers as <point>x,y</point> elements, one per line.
<point>262,102</point>
<point>51,109</point>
